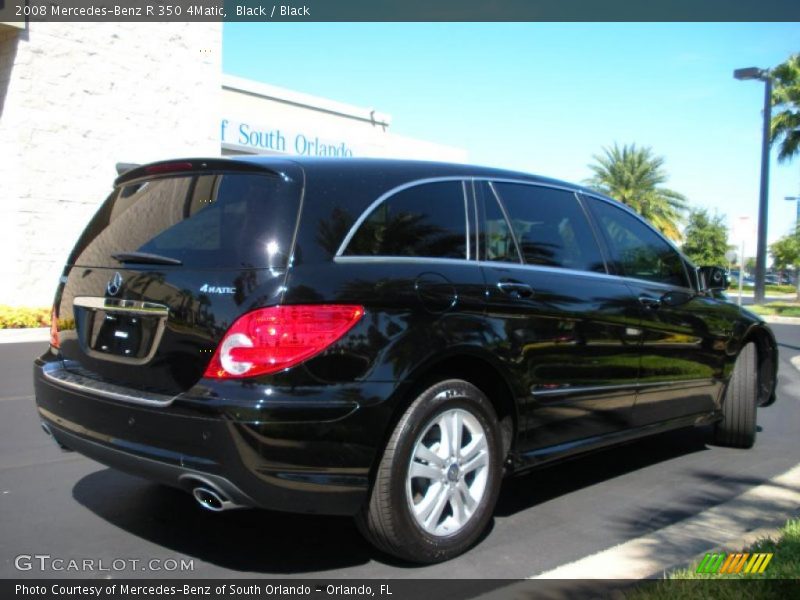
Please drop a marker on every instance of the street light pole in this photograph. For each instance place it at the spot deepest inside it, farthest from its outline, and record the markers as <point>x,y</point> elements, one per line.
<point>763,199</point>
<point>796,200</point>
<point>741,231</point>
<point>741,273</point>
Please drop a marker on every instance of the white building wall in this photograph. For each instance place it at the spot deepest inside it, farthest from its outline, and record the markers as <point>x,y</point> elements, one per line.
<point>75,99</point>
<point>266,119</point>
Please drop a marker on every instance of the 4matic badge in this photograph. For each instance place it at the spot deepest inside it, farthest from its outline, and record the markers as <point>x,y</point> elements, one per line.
<point>217,289</point>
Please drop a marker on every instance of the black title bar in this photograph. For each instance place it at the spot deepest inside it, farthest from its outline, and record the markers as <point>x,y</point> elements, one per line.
<point>21,11</point>
<point>389,589</point>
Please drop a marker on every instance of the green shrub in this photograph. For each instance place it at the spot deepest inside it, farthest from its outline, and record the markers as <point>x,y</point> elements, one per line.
<point>18,317</point>
<point>768,288</point>
<point>782,309</point>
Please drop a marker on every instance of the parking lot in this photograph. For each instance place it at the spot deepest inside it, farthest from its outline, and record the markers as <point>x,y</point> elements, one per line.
<point>69,507</point>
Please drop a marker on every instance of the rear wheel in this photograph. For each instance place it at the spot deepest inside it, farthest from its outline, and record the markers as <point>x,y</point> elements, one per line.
<point>438,480</point>
<point>738,426</point>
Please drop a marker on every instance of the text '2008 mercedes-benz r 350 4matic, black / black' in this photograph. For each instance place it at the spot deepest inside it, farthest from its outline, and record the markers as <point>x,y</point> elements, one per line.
<point>382,339</point>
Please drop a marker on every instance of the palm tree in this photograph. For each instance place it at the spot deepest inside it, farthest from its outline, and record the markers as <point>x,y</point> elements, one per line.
<point>634,176</point>
<point>785,125</point>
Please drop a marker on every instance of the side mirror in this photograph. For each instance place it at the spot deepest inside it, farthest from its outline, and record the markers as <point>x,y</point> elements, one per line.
<point>676,298</point>
<point>713,279</point>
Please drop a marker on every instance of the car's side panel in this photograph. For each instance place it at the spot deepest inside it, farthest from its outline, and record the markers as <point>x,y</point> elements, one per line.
<point>684,343</point>
<point>573,348</point>
<point>415,310</point>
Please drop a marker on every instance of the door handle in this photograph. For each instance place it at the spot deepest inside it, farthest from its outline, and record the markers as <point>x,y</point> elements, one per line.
<point>516,289</point>
<point>649,302</point>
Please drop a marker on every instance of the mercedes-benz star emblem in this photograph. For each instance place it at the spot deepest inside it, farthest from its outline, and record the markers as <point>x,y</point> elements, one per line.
<point>115,285</point>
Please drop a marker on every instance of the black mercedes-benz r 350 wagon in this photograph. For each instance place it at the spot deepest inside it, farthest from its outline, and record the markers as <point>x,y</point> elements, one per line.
<point>382,339</point>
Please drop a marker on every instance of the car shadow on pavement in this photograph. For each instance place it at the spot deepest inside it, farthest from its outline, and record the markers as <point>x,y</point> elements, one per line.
<point>541,485</point>
<point>267,542</point>
<point>246,540</point>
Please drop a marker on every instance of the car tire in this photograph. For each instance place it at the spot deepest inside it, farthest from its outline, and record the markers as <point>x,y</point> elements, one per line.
<point>433,493</point>
<point>737,429</point>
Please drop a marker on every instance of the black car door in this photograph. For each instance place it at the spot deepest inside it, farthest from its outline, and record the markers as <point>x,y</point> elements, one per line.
<point>563,325</point>
<point>684,333</point>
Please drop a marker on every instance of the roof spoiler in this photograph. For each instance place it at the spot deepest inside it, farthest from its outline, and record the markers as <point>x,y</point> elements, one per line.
<point>123,167</point>
<point>183,165</point>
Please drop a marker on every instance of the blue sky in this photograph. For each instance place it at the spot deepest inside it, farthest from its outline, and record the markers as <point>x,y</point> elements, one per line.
<point>544,98</point>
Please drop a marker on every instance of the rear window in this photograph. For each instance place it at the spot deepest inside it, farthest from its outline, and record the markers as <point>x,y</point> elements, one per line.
<point>222,220</point>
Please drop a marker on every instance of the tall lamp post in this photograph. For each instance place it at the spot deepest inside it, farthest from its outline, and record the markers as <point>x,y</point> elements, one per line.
<point>741,232</point>
<point>797,209</point>
<point>796,199</point>
<point>761,244</point>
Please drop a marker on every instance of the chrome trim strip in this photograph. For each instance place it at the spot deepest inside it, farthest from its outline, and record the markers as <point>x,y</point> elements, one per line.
<point>402,259</point>
<point>477,263</point>
<point>478,242</point>
<point>546,269</point>
<point>554,186</point>
<point>137,307</point>
<point>58,374</point>
<point>130,307</point>
<point>542,454</point>
<point>466,177</point>
<point>574,190</point>
<point>386,195</point>
<point>619,387</point>
<point>466,216</point>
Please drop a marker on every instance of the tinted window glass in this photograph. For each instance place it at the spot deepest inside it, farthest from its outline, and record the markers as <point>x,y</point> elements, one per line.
<point>214,221</point>
<point>636,250</point>
<point>497,239</point>
<point>551,227</point>
<point>425,220</point>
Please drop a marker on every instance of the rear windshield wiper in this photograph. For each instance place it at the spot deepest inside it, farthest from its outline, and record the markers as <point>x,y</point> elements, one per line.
<point>145,257</point>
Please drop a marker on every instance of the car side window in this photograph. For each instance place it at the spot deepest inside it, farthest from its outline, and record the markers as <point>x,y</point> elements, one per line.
<point>636,250</point>
<point>427,220</point>
<point>498,241</point>
<point>550,226</point>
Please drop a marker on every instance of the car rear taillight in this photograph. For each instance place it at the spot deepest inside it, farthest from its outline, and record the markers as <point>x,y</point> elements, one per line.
<point>269,340</point>
<point>55,342</point>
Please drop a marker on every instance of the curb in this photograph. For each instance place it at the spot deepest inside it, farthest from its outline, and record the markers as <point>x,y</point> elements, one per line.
<point>729,525</point>
<point>20,336</point>
<point>782,320</point>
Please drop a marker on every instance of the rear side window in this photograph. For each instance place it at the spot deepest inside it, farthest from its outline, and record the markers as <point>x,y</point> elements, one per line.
<point>498,241</point>
<point>551,227</point>
<point>427,220</point>
<point>636,250</point>
<point>223,220</point>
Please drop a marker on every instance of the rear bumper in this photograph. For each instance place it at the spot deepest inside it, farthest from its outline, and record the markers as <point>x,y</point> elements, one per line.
<point>154,470</point>
<point>319,464</point>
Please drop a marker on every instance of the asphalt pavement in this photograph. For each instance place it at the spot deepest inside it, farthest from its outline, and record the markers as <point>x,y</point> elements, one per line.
<point>68,507</point>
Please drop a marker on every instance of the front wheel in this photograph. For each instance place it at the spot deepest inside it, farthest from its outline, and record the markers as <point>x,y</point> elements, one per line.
<point>437,483</point>
<point>738,426</point>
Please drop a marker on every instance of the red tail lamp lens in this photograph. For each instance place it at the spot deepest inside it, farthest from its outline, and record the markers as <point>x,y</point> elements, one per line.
<point>55,341</point>
<point>269,340</point>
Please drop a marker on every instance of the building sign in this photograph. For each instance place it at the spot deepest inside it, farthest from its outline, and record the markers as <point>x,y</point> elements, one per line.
<point>259,139</point>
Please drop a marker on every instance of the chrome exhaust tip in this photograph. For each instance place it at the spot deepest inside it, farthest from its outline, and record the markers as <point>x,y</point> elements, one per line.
<point>49,432</point>
<point>212,500</point>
